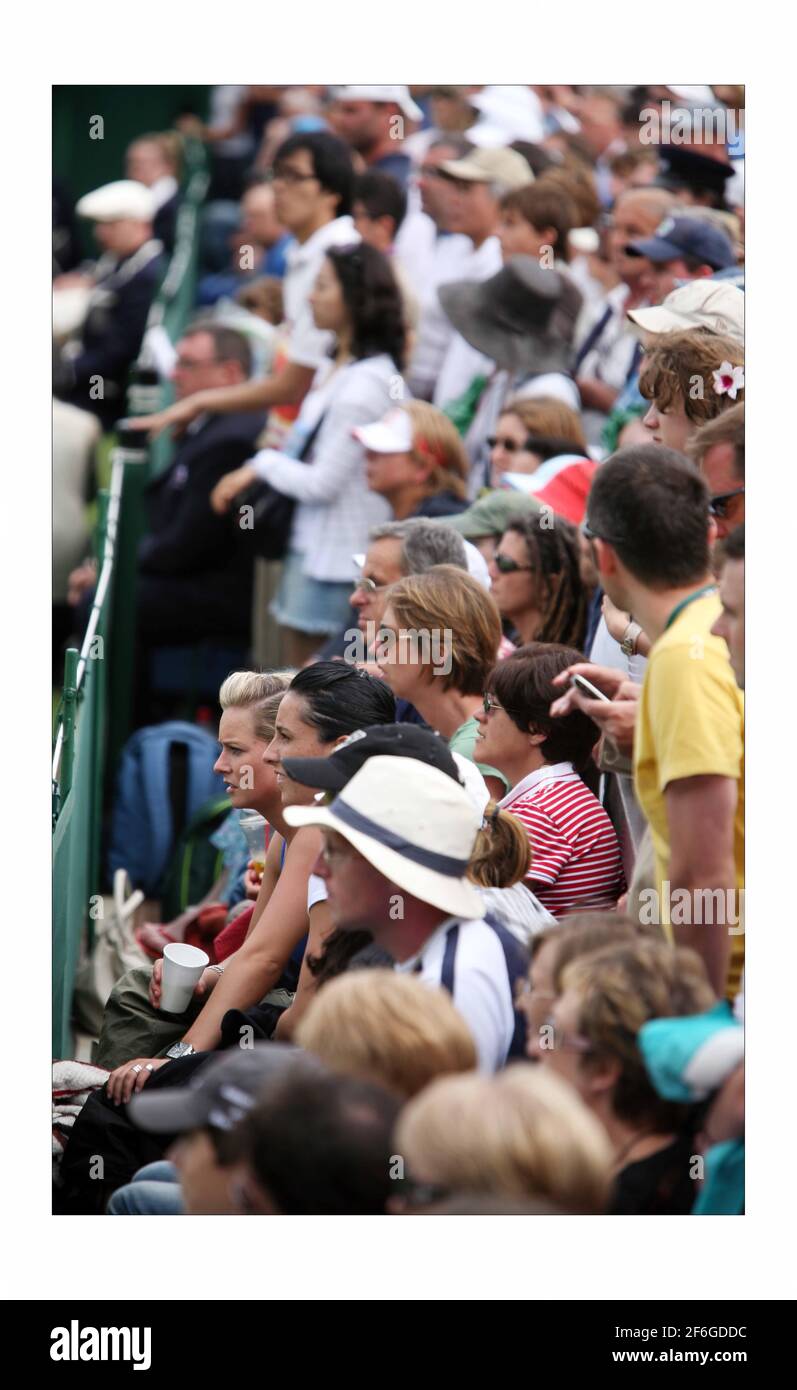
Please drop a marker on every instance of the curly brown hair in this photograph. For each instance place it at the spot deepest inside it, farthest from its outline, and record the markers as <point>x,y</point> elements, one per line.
<point>681,367</point>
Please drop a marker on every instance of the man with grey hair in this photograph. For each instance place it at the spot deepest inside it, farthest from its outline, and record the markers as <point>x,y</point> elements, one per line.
<point>395,549</point>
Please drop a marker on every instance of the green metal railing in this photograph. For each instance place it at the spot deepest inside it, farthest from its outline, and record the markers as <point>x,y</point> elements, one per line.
<point>77,773</point>
<point>95,714</point>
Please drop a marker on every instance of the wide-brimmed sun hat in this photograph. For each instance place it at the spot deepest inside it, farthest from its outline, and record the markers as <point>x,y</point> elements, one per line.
<point>414,824</point>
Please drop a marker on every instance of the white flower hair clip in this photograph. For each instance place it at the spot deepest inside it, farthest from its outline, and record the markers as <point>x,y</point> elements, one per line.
<point>728,381</point>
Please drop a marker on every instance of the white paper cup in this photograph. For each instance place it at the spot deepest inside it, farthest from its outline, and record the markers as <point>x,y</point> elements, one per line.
<point>182,967</point>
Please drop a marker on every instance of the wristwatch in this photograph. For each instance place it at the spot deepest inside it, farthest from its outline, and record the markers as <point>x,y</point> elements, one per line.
<point>180,1049</point>
<point>630,639</point>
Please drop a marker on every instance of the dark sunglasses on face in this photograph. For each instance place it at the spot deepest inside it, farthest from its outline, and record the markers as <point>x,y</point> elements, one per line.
<point>511,445</point>
<point>506,565</point>
<point>718,504</point>
<point>489,702</point>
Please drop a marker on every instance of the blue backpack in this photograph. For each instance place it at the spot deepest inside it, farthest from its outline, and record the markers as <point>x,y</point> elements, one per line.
<point>165,775</point>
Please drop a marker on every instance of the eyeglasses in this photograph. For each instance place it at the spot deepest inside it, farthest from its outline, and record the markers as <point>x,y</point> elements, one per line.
<point>718,504</point>
<point>506,565</point>
<point>332,854</point>
<point>283,173</point>
<point>368,586</point>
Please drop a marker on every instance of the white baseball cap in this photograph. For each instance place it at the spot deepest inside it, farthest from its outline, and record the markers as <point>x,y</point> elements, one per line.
<point>390,435</point>
<point>112,202</point>
<point>398,94</point>
<point>713,304</point>
<point>414,824</point>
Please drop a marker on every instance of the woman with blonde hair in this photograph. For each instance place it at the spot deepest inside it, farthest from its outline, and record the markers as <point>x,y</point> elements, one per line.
<point>591,1042</point>
<point>415,458</point>
<point>440,637</point>
<point>531,431</point>
<point>388,1028</point>
<point>323,705</point>
<point>513,1134</point>
<point>249,702</point>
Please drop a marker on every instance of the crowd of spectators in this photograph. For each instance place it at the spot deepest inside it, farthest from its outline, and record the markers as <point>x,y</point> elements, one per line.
<point>473,359</point>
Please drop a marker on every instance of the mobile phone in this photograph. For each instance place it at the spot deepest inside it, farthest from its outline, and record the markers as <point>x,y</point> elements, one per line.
<point>587,688</point>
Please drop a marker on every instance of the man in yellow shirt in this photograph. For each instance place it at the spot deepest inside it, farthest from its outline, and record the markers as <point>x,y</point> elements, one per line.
<point>649,521</point>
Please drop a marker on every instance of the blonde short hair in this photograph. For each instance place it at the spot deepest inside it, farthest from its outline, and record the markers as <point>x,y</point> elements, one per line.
<point>389,1028</point>
<point>522,1133</point>
<point>260,691</point>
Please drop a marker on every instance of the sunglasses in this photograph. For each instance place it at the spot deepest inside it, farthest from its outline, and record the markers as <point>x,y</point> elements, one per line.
<point>511,445</point>
<point>718,505</point>
<point>489,703</point>
<point>590,535</point>
<point>506,565</point>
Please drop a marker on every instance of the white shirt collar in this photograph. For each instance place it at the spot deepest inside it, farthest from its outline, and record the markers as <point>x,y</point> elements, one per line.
<point>547,773</point>
<point>336,233</point>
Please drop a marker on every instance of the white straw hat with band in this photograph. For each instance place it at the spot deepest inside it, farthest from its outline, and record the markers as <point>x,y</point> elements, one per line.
<point>414,824</point>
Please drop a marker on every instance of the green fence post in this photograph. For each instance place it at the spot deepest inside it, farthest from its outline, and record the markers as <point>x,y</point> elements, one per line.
<point>120,653</point>
<point>101,530</point>
<point>68,722</point>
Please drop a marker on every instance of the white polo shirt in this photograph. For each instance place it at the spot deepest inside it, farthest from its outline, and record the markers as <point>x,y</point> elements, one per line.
<point>307,345</point>
<point>478,963</point>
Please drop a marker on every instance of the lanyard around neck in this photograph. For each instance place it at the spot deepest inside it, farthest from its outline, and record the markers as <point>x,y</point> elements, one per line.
<point>685,602</point>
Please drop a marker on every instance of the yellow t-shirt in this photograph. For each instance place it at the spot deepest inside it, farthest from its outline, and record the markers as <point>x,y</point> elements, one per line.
<point>690,723</point>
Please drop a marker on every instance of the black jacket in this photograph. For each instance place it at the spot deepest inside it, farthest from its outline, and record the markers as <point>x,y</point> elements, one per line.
<point>164,223</point>
<point>111,336</point>
<point>194,571</point>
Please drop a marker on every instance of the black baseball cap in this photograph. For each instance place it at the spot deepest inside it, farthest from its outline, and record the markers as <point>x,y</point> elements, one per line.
<point>395,740</point>
<point>684,167</point>
<point>221,1092</point>
<point>686,236</point>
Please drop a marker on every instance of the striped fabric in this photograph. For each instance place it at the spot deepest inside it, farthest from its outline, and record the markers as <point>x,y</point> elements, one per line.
<point>576,863</point>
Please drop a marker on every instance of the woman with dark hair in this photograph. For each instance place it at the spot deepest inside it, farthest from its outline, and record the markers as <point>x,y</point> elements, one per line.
<point>322,706</point>
<point>575,857</point>
<point>322,464</point>
<point>536,580</point>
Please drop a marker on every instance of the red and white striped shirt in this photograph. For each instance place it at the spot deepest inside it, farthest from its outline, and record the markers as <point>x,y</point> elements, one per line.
<point>576,864</point>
